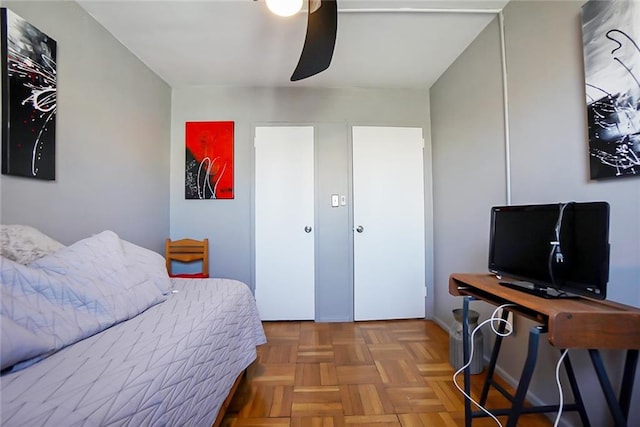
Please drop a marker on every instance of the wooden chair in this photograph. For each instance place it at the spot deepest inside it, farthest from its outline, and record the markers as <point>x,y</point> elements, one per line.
<point>187,251</point>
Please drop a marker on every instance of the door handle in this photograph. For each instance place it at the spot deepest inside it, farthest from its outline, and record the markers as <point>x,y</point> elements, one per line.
<point>308,229</point>
<point>359,229</point>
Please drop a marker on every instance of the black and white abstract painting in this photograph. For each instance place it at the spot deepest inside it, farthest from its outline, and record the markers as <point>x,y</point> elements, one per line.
<point>28,99</point>
<point>611,37</point>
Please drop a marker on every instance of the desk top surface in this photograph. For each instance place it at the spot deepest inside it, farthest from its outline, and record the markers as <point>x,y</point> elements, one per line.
<point>572,323</point>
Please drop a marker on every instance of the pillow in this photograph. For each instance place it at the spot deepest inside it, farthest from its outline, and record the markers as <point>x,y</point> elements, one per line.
<point>71,294</point>
<point>99,266</point>
<point>24,244</point>
<point>151,263</point>
<point>19,344</point>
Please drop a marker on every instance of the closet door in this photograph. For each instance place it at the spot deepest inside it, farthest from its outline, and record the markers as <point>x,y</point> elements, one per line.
<point>389,223</point>
<point>284,222</point>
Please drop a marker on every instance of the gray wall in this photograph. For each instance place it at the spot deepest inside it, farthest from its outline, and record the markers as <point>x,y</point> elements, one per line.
<point>112,138</point>
<point>549,163</point>
<point>228,223</point>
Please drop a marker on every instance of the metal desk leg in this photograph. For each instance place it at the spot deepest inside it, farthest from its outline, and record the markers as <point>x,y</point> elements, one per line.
<point>465,358</point>
<point>525,378</point>
<point>577,397</point>
<point>619,418</point>
<point>488,382</point>
<point>630,365</point>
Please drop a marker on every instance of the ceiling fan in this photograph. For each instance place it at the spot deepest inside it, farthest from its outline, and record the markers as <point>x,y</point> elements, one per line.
<point>320,40</point>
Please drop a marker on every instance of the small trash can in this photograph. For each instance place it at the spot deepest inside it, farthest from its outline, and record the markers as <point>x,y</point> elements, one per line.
<point>456,356</point>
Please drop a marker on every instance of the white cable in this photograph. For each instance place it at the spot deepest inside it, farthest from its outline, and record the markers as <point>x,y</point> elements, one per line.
<point>494,317</point>
<point>509,325</point>
<point>558,228</point>
<point>555,247</point>
<point>564,353</point>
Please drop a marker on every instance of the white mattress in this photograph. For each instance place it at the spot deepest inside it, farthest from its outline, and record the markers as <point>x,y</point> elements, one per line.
<point>173,365</point>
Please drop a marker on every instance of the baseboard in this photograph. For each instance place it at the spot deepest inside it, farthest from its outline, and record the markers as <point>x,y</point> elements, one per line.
<point>332,320</point>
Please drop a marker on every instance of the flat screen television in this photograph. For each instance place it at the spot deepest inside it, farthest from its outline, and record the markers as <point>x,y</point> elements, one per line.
<point>552,250</point>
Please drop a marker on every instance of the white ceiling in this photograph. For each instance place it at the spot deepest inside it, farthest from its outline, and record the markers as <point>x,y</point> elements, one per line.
<point>240,43</point>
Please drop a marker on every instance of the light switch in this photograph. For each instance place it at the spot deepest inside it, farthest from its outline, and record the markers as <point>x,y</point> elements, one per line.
<point>334,201</point>
<point>343,200</point>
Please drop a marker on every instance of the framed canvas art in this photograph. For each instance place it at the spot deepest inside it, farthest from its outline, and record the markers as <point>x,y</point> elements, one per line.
<point>209,160</point>
<point>28,99</point>
<point>611,37</point>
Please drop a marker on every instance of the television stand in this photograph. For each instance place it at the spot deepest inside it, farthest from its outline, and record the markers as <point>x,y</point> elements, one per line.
<point>580,323</point>
<point>533,289</point>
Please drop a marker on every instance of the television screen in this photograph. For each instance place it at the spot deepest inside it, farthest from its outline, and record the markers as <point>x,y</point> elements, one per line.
<point>552,250</point>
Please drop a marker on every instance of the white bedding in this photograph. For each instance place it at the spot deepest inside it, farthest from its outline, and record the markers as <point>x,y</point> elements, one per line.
<point>24,244</point>
<point>96,334</point>
<point>71,294</point>
<point>172,365</point>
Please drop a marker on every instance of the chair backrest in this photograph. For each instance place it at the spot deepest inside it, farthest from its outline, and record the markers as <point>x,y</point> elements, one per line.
<point>187,250</point>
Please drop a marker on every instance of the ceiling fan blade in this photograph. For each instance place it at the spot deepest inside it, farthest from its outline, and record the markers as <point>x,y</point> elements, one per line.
<point>314,5</point>
<point>322,26</point>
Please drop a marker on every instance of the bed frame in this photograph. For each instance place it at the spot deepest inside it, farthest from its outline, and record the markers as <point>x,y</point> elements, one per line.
<point>227,401</point>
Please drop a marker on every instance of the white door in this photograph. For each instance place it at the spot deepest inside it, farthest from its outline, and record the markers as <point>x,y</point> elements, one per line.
<point>284,220</point>
<point>388,219</point>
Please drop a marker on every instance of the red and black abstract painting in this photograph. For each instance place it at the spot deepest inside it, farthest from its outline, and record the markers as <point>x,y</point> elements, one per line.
<point>209,160</point>
<point>28,99</point>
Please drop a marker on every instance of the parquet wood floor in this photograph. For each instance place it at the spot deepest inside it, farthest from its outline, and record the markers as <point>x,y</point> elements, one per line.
<point>379,374</point>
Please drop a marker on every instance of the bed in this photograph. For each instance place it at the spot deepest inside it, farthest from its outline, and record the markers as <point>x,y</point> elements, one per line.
<point>169,360</point>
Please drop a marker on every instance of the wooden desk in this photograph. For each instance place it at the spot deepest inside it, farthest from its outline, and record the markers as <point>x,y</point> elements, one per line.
<point>579,323</point>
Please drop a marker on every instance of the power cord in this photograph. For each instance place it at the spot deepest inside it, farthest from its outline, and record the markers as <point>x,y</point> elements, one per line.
<point>564,353</point>
<point>556,250</point>
<point>494,318</point>
<point>559,257</point>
